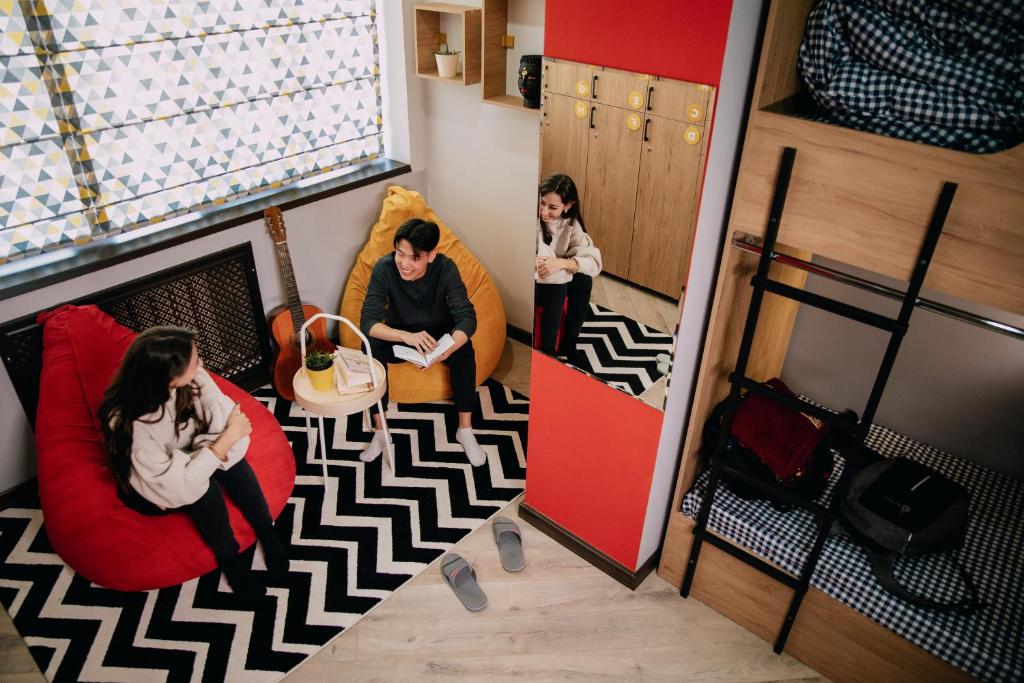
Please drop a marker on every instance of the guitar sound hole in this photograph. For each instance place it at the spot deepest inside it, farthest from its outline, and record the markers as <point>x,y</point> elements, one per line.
<point>295,340</point>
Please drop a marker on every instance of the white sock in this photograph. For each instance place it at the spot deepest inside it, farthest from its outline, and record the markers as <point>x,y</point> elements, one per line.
<point>376,447</point>
<point>475,454</point>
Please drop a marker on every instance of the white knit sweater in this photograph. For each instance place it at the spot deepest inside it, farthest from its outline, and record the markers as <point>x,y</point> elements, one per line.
<point>568,241</point>
<point>174,470</point>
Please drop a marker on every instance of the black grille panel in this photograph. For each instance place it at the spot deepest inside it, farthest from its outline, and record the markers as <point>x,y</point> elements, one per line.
<point>218,296</point>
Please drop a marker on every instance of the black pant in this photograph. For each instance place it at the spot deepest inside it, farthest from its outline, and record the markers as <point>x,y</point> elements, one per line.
<point>210,512</point>
<point>461,364</point>
<point>550,299</point>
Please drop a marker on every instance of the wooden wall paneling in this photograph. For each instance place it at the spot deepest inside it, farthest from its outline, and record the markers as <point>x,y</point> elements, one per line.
<point>621,89</point>
<point>567,78</point>
<point>613,162</point>
<point>564,139</point>
<point>666,193</point>
<point>777,78</point>
<point>678,100</point>
<point>473,47</point>
<point>428,25</point>
<point>495,56</point>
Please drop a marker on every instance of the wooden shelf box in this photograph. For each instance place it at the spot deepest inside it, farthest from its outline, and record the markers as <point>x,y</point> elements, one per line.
<point>495,57</point>
<point>428,30</point>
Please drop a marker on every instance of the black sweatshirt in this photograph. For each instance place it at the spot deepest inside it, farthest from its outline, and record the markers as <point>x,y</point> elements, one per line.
<point>438,300</point>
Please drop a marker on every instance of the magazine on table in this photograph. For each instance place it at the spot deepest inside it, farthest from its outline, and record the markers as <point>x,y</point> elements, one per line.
<point>352,371</point>
<point>424,360</point>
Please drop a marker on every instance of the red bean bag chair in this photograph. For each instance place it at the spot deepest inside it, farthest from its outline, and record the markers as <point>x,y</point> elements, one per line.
<point>89,527</point>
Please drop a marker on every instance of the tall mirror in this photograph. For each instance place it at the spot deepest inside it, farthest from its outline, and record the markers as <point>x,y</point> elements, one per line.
<point>622,155</point>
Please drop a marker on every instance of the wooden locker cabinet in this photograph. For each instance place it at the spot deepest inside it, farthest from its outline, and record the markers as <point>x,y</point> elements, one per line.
<point>564,137</point>
<point>567,78</point>
<point>619,89</point>
<point>613,156</point>
<point>670,167</point>
<point>678,100</point>
<point>638,197</point>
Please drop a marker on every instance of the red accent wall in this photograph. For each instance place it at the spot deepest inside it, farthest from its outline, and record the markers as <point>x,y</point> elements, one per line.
<point>590,457</point>
<point>683,39</point>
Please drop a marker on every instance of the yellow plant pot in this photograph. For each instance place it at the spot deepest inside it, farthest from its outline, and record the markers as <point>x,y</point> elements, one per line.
<point>321,380</point>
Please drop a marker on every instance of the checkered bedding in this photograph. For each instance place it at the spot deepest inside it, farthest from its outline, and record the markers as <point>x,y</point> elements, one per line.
<point>943,73</point>
<point>988,644</point>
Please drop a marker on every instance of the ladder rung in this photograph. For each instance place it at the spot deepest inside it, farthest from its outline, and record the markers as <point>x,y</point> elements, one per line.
<point>757,563</point>
<point>776,491</point>
<point>831,305</point>
<point>843,421</point>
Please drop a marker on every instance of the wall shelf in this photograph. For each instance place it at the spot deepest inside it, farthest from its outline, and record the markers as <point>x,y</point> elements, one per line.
<point>495,57</point>
<point>428,30</point>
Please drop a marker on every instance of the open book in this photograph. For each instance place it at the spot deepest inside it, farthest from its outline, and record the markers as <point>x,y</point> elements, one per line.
<point>351,371</point>
<point>424,361</point>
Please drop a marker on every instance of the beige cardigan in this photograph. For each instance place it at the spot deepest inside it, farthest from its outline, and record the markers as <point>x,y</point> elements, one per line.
<point>569,241</point>
<point>172,471</point>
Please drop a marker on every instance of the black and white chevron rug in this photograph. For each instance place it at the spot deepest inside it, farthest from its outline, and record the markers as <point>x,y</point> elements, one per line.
<point>620,351</point>
<point>350,548</point>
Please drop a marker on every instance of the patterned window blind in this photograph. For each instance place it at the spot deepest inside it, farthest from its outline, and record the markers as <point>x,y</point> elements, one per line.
<point>122,113</point>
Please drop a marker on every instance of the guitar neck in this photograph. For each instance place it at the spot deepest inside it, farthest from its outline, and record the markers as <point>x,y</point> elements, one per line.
<point>291,290</point>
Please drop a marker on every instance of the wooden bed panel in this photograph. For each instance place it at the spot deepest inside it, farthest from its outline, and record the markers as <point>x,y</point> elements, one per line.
<point>827,635</point>
<point>725,330</point>
<point>880,194</point>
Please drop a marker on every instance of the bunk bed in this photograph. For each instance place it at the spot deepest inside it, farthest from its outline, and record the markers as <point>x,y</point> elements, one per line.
<point>865,200</point>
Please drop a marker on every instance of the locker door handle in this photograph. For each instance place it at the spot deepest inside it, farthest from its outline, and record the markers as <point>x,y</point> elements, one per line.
<point>647,122</point>
<point>650,91</point>
<point>593,87</point>
<point>592,110</point>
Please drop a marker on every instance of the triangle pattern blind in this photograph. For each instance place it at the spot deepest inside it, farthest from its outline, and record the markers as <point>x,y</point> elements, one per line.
<point>118,114</point>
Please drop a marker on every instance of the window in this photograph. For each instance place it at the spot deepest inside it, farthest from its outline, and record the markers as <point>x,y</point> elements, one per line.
<point>122,113</point>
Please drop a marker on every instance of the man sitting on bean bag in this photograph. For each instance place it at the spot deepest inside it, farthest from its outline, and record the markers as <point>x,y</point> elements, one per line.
<point>415,297</point>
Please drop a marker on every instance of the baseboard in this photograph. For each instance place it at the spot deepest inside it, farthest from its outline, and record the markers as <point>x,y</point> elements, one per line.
<point>521,336</point>
<point>15,492</point>
<point>627,577</point>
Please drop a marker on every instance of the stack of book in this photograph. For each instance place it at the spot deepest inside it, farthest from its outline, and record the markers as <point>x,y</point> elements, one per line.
<point>352,371</point>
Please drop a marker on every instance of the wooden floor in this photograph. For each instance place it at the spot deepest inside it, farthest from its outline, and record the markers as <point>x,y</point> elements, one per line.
<point>514,367</point>
<point>559,619</point>
<point>641,305</point>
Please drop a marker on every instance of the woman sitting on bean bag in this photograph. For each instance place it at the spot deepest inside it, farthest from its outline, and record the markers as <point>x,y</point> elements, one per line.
<point>174,440</point>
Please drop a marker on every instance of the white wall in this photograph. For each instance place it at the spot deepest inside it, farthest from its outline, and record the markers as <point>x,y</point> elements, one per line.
<point>730,115</point>
<point>482,162</point>
<point>323,239</point>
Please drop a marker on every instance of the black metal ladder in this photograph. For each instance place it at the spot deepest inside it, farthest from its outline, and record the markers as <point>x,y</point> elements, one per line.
<point>844,422</point>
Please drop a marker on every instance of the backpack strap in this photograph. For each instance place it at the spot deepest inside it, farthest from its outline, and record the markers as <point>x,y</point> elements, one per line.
<point>882,566</point>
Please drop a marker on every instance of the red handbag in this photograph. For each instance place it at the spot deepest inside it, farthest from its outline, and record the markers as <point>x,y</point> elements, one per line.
<point>782,438</point>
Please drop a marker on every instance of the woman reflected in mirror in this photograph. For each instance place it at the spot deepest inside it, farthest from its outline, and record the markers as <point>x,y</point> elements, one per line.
<point>567,263</point>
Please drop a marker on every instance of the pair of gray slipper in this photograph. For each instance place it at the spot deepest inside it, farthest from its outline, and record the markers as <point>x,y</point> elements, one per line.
<point>461,577</point>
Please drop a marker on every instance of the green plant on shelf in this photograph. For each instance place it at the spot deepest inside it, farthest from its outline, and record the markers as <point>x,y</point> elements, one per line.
<point>444,50</point>
<point>319,360</point>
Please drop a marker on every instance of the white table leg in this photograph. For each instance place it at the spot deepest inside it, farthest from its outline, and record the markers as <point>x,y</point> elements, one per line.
<point>323,448</point>
<point>387,437</point>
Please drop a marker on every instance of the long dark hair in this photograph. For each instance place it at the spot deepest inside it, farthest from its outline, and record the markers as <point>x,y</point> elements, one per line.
<point>565,188</point>
<point>141,386</point>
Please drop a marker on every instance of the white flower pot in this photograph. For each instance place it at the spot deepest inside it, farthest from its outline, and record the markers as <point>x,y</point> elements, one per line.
<point>447,65</point>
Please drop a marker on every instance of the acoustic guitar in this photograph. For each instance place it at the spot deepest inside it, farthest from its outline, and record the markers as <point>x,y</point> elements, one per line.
<point>287,320</point>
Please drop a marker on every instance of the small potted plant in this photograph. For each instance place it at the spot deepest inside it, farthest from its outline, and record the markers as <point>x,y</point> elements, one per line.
<point>320,369</point>
<point>447,61</point>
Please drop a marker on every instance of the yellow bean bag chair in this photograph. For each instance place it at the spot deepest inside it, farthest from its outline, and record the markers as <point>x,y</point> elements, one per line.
<point>407,383</point>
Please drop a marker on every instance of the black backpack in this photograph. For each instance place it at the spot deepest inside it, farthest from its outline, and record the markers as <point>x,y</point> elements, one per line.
<point>810,485</point>
<point>901,508</point>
